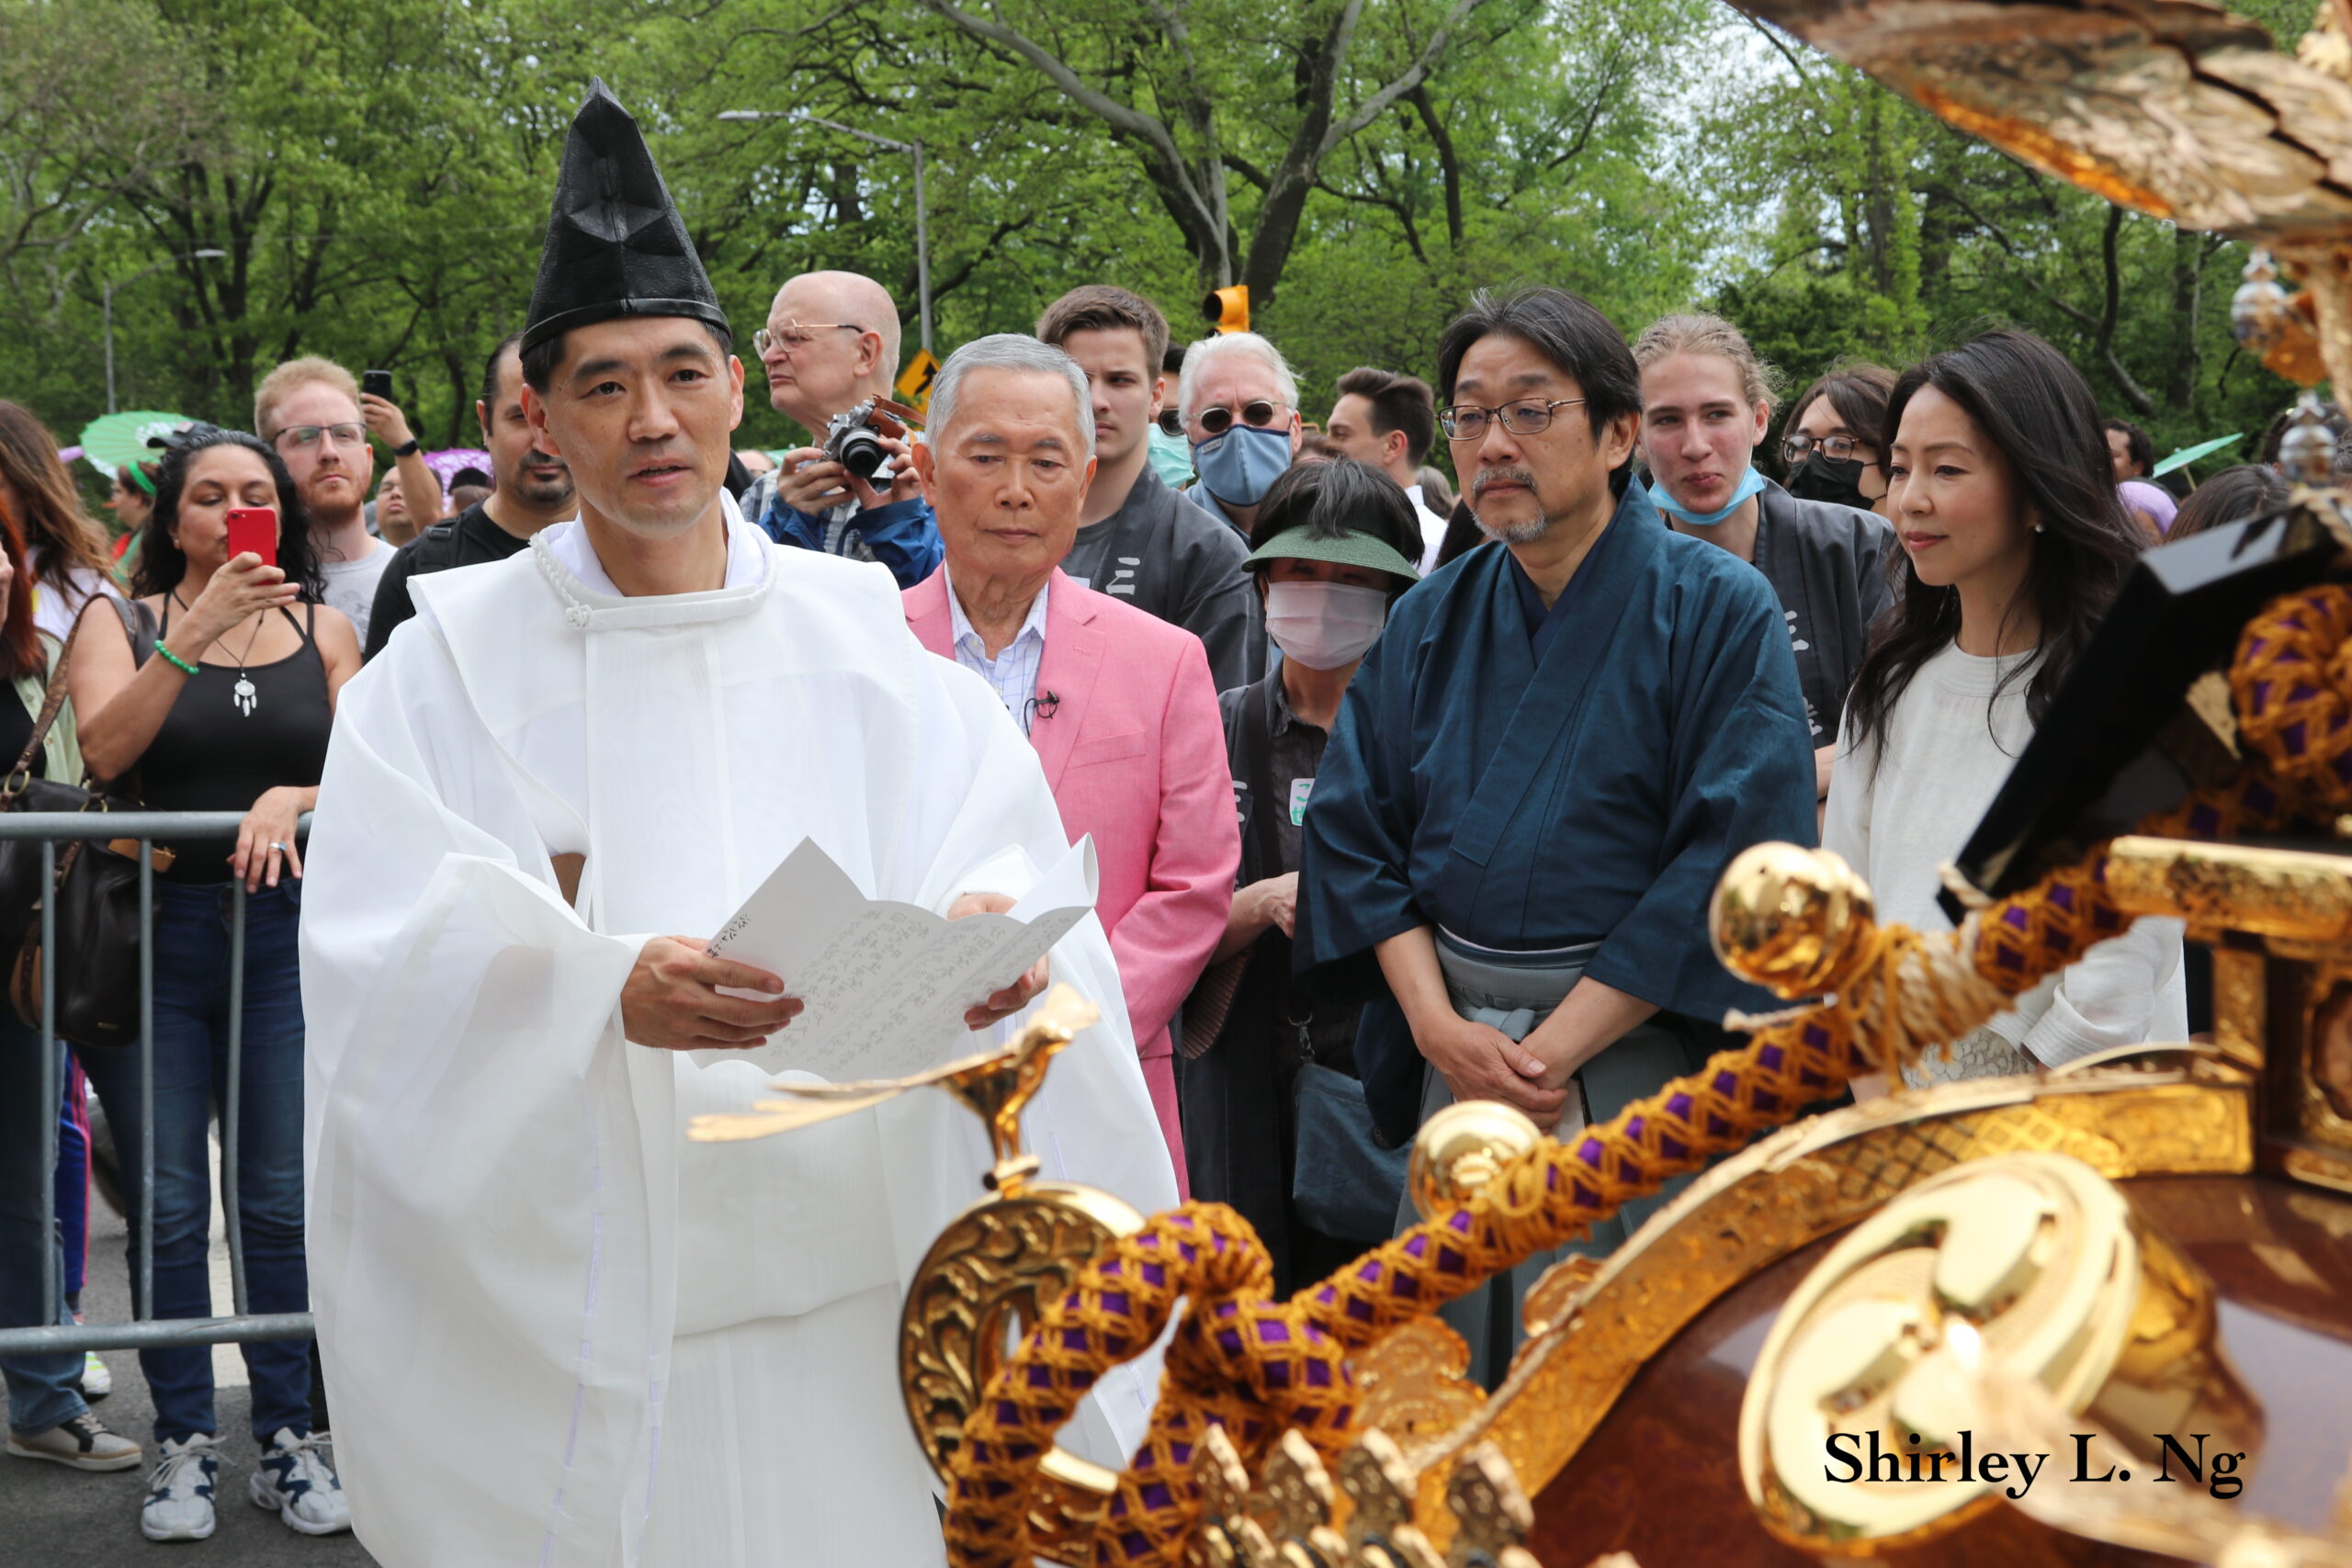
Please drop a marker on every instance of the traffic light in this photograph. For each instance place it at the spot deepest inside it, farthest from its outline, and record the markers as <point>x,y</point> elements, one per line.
<point>1227,310</point>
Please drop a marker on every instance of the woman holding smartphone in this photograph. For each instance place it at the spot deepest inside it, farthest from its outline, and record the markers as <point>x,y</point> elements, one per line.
<point>222,703</point>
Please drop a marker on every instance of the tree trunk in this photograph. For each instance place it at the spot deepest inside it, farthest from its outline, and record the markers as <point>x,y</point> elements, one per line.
<point>1449,164</point>
<point>2188,281</point>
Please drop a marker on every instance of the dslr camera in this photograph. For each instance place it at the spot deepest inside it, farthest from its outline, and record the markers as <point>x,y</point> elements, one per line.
<point>855,439</point>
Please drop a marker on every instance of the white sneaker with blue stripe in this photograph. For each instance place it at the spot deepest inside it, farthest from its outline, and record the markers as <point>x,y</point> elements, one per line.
<point>179,1492</point>
<point>296,1481</point>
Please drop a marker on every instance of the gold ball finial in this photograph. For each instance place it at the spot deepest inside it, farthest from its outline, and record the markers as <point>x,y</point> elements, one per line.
<point>1461,1148</point>
<point>1789,920</point>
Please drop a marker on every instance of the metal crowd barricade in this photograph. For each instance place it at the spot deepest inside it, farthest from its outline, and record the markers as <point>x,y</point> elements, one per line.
<point>144,1331</point>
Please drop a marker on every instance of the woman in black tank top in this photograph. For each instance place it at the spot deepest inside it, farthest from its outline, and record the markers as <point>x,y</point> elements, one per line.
<point>226,708</point>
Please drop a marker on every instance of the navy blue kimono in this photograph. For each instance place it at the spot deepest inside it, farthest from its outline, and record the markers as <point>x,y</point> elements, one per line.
<point>1529,780</point>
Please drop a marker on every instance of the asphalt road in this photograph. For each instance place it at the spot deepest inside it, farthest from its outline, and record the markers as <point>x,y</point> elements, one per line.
<point>54,1517</point>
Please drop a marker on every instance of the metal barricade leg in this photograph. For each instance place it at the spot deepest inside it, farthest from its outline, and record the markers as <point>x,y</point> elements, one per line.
<point>145,1331</point>
<point>143,1304</point>
<point>52,1091</point>
<point>233,1198</point>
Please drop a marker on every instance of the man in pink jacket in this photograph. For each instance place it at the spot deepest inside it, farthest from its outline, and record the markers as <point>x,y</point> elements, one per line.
<point>1118,704</point>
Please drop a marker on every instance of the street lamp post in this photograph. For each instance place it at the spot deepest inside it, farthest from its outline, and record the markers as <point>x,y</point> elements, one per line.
<point>107,296</point>
<point>923,214</point>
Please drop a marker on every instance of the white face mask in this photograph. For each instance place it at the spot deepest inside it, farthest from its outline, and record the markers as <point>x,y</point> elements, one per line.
<point>1323,625</point>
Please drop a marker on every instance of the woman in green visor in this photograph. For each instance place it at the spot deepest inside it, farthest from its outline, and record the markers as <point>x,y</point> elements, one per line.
<point>1274,1122</point>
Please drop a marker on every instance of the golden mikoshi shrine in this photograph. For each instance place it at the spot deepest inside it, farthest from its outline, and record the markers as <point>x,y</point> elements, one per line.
<point>2140,1266</point>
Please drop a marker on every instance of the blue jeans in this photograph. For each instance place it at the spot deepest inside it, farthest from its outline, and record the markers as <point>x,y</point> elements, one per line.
<point>191,1078</point>
<point>41,1389</point>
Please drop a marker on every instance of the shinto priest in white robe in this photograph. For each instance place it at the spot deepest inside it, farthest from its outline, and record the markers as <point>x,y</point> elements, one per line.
<point>557,1332</point>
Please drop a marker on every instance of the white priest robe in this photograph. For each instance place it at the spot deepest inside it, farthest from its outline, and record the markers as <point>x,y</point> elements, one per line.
<point>555,1332</point>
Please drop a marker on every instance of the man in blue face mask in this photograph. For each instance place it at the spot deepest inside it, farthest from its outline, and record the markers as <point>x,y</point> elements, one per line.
<point>1240,405</point>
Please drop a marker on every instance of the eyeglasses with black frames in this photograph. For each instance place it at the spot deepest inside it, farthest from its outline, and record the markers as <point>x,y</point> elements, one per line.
<point>1257,413</point>
<point>1837,448</point>
<point>1528,416</point>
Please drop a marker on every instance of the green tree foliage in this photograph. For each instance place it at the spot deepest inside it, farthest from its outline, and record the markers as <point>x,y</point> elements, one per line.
<point>378,177</point>
<point>1884,234</point>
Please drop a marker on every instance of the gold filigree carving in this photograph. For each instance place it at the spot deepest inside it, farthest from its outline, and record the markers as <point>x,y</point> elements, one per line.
<point>2216,887</point>
<point>1491,1512</point>
<point>1555,1295</point>
<point>990,1267</point>
<point>2241,1010</point>
<point>1228,1536</point>
<point>1299,1491</point>
<point>1805,1182</point>
<point>1379,1486</point>
<point>2033,1265</point>
<point>1411,1386</point>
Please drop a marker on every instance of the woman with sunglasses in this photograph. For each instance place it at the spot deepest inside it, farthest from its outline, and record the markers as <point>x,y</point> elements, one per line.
<point>1706,404</point>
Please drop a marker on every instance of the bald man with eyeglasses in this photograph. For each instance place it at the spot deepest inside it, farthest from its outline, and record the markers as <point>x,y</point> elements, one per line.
<point>830,344</point>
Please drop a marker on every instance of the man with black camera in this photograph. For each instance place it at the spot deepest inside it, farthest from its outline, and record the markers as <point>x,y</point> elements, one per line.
<point>829,351</point>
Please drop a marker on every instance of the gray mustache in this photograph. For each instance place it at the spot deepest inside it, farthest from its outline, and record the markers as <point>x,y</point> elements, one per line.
<point>1501,476</point>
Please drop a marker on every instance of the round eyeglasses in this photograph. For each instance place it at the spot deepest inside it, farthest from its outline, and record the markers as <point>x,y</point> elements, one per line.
<point>1257,413</point>
<point>795,335</point>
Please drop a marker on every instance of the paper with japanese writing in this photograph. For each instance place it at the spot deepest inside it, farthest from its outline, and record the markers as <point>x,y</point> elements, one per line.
<point>886,984</point>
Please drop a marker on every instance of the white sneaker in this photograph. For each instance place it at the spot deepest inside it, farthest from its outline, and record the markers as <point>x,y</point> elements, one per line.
<point>296,1480</point>
<point>179,1493</point>
<point>97,1381</point>
<point>83,1443</point>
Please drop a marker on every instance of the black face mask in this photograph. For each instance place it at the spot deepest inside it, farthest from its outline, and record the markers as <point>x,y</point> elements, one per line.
<point>1820,479</point>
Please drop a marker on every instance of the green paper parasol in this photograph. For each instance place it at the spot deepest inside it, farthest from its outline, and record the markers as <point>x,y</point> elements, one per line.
<point>120,440</point>
<point>2189,455</point>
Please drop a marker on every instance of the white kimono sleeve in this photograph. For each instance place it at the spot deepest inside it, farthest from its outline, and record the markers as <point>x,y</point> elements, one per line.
<point>480,1255</point>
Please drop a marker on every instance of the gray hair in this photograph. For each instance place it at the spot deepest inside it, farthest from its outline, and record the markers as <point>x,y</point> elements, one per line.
<point>1249,345</point>
<point>1007,351</point>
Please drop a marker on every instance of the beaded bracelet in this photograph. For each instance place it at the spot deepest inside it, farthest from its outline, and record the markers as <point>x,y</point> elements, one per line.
<point>174,659</point>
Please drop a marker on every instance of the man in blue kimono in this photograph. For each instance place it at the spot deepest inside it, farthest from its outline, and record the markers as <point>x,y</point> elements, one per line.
<point>1543,766</point>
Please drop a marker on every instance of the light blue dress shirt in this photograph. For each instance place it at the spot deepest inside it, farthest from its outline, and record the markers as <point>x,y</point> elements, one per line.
<point>1013,672</point>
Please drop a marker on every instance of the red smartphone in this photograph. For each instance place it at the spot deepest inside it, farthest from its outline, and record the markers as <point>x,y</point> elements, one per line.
<point>253,529</point>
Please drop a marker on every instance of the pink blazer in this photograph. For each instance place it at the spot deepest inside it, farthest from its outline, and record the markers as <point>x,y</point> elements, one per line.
<point>1134,753</point>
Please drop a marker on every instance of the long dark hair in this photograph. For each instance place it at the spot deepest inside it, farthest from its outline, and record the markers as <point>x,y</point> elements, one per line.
<point>1331,501</point>
<point>2246,489</point>
<point>53,521</point>
<point>161,563</point>
<point>21,648</point>
<point>2037,411</point>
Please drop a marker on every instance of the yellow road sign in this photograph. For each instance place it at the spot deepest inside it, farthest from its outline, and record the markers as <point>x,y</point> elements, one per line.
<point>914,381</point>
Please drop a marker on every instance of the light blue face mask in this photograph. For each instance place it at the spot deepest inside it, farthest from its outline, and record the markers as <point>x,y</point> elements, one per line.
<point>1171,458</point>
<point>1239,466</point>
<point>1748,487</point>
